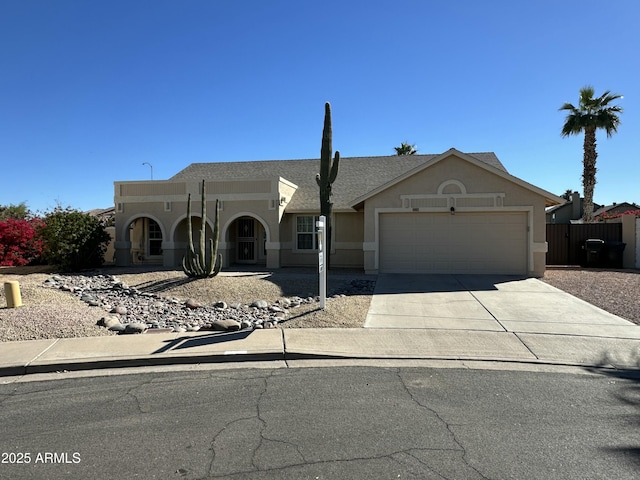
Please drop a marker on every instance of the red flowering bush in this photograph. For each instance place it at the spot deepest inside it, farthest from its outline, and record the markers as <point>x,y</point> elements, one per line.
<point>19,243</point>
<point>604,216</point>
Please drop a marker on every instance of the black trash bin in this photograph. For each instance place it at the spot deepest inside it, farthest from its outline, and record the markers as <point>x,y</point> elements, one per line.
<point>595,249</point>
<point>614,254</point>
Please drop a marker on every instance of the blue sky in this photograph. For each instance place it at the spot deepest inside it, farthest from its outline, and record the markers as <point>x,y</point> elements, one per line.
<point>90,90</point>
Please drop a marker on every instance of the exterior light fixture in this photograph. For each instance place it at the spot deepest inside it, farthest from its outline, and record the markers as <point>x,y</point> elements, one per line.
<point>453,210</point>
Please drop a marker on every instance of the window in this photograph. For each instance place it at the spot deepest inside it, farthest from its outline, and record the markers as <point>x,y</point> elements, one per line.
<point>155,238</point>
<point>306,237</point>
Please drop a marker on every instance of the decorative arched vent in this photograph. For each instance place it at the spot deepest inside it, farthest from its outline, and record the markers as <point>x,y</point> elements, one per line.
<point>451,187</point>
<point>453,193</point>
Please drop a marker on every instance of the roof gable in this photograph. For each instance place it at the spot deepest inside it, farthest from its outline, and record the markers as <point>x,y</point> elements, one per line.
<point>549,197</point>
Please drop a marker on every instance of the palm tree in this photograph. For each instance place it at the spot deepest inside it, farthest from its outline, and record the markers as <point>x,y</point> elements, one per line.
<point>567,194</point>
<point>590,115</point>
<point>405,149</point>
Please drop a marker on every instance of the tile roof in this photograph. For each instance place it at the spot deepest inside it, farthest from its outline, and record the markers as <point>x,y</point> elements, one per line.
<point>356,177</point>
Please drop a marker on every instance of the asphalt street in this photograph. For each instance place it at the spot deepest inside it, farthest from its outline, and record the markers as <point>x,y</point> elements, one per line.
<point>324,423</point>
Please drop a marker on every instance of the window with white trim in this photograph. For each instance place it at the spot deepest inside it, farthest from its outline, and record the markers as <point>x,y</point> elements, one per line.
<point>306,236</point>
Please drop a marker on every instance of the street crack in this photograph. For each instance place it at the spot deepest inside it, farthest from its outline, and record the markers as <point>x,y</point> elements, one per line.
<point>447,425</point>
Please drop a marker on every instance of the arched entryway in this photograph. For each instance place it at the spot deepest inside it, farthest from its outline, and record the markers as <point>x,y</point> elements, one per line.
<point>246,239</point>
<point>145,236</point>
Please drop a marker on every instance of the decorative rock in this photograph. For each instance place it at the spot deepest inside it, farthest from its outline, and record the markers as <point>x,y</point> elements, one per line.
<point>89,299</point>
<point>120,328</point>
<point>191,303</point>
<point>136,327</point>
<point>120,310</point>
<point>227,325</point>
<point>285,302</point>
<point>108,321</point>
<point>111,321</point>
<point>136,305</point>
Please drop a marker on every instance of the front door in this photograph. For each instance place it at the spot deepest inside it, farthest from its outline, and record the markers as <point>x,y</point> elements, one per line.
<point>246,247</point>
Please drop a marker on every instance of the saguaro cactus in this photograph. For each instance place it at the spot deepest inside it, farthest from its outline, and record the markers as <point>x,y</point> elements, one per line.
<point>202,264</point>
<point>327,175</point>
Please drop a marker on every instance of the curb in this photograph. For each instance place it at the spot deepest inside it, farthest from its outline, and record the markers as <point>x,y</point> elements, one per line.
<point>70,366</point>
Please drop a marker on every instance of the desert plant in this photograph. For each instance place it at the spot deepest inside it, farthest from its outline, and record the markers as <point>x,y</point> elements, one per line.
<point>202,264</point>
<point>327,175</point>
<point>73,240</point>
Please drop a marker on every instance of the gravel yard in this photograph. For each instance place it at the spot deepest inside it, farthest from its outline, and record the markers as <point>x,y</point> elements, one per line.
<point>49,313</point>
<point>616,291</point>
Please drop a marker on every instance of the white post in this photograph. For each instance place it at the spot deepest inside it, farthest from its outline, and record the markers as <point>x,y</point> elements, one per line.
<point>322,235</point>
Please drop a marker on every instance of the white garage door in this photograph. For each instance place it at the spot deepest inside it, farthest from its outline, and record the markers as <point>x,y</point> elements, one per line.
<point>460,243</point>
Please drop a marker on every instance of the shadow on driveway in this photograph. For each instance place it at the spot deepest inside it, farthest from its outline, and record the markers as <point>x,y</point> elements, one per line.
<point>428,283</point>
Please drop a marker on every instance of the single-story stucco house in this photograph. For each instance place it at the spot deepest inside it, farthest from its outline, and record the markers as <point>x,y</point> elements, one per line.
<point>449,213</point>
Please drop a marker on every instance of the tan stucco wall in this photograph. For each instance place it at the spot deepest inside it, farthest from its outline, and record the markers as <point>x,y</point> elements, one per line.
<point>263,200</point>
<point>476,180</point>
<point>259,199</point>
<point>109,254</point>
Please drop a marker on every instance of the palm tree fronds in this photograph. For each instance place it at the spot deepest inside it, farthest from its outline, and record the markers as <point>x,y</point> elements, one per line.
<point>591,114</point>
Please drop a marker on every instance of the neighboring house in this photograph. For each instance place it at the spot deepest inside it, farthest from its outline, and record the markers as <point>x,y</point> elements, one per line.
<point>610,211</point>
<point>447,213</point>
<point>570,211</point>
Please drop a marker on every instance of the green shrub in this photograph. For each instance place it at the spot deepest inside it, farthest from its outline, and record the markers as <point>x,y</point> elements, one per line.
<point>73,240</point>
<point>18,212</point>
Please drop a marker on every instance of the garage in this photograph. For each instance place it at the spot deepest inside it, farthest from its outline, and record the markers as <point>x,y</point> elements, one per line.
<point>476,243</point>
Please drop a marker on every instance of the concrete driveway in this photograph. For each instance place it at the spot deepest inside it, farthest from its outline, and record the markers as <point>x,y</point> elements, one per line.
<point>488,303</point>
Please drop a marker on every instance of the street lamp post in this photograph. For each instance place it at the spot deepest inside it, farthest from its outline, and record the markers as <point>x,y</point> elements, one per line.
<point>150,166</point>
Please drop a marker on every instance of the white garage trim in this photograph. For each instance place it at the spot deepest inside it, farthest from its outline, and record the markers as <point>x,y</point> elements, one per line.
<point>531,247</point>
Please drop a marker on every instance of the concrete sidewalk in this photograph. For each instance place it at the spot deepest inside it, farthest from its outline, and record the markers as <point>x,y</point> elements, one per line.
<point>411,317</point>
<point>39,356</point>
